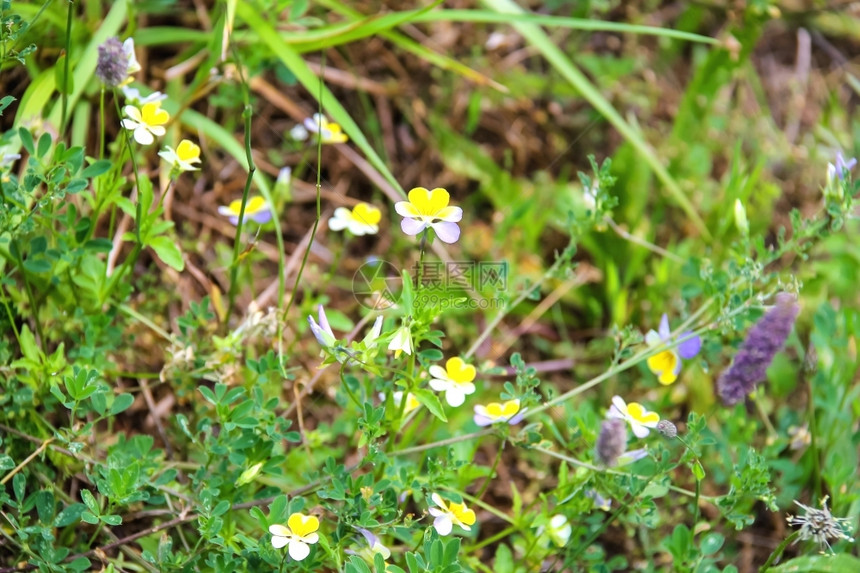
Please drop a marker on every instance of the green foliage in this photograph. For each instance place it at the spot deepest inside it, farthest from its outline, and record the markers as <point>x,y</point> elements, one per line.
<point>148,422</point>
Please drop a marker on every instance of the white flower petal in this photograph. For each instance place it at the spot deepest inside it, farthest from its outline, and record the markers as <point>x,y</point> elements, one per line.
<point>443,525</point>
<point>299,550</point>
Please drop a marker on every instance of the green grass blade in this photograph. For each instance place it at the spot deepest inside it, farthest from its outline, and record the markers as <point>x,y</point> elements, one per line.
<point>293,61</point>
<point>486,17</point>
<point>408,44</point>
<point>536,36</point>
<point>85,65</point>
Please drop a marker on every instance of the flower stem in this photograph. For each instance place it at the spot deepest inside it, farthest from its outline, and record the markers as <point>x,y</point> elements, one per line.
<point>778,551</point>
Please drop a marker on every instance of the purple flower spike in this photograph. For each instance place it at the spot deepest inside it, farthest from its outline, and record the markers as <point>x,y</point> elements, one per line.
<point>764,340</point>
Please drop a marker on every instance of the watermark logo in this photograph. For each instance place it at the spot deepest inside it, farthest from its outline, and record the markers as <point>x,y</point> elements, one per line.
<point>378,284</point>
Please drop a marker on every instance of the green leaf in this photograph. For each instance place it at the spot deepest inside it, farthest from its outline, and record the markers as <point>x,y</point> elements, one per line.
<point>79,564</point>
<point>113,520</point>
<point>5,102</point>
<point>698,470</point>
<point>44,145</point>
<point>39,265</point>
<point>168,251</point>
<point>432,355</point>
<point>842,563</point>
<point>99,245</point>
<point>19,486</point>
<point>69,515</point>
<point>356,565</point>
<point>27,140</point>
<point>711,543</point>
<point>432,403</point>
<point>89,517</point>
<point>6,462</point>
<point>90,501</point>
<point>208,394</point>
<point>121,403</point>
<point>45,506</point>
<point>97,168</point>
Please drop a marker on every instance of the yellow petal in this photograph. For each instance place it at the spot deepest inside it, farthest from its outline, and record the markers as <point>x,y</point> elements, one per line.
<point>153,115</point>
<point>640,414</point>
<point>255,205</point>
<point>367,214</point>
<point>459,371</point>
<point>510,408</point>
<point>663,361</point>
<point>420,200</point>
<point>438,200</point>
<point>467,516</point>
<point>667,377</point>
<point>188,150</point>
<point>303,525</point>
<point>494,410</point>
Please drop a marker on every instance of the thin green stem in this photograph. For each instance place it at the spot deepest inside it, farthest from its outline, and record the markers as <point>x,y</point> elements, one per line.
<point>252,167</point>
<point>318,199</point>
<point>102,123</point>
<point>764,417</point>
<point>813,441</point>
<point>441,443</point>
<point>34,304</point>
<point>489,479</point>
<point>778,551</point>
<point>68,56</point>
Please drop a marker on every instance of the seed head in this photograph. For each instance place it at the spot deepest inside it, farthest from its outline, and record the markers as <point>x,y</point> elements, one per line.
<point>611,442</point>
<point>667,428</point>
<point>820,525</point>
<point>112,65</point>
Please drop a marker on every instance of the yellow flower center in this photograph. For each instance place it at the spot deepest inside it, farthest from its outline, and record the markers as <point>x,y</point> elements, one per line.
<point>506,410</point>
<point>152,115</point>
<point>466,516</point>
<point>429,203</point>
<point>460,372</point>
<point>367,214</point>
<point>664,365</point>
<point>640,414</point>
<point>303,525</point>
<point>188,151</point>
<point>255,205</point>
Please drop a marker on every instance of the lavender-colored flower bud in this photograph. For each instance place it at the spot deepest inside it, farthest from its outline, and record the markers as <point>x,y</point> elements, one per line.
<point>112,65</point>
<point>764,340</point>
<point>611,442</point>
<point>667,428</point>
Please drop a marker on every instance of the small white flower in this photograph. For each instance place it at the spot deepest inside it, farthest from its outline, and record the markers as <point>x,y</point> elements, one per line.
<point>401,341</point>
<point>299,132</point>
<point>363,219</point>
<point>128,50</point>
<point>322,331</point>
<point>299,533</point>
<point>640,419</point>
<point>559,530</point>
<point>455,380</point>
<point>145,123</point>
<point>184,157</point>
<point>450,515</point>
<point>133,96</point>
<point>327,131</point>
<point>374,332</point>
<point>494,412</point>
